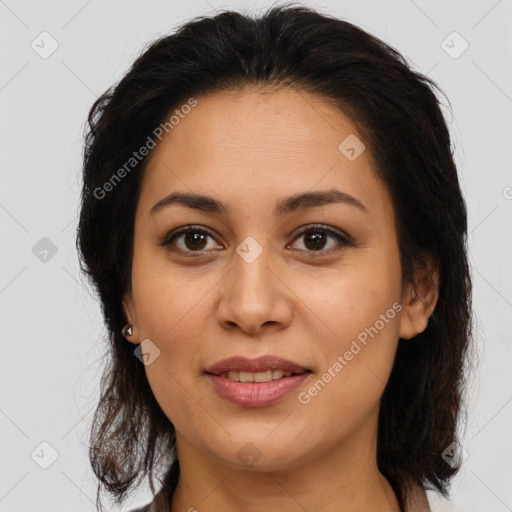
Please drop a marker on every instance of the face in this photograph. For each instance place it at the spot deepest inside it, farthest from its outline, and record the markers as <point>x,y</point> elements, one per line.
<point>313,281</point>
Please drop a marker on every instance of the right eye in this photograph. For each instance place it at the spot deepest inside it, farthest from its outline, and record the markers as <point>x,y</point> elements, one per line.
<point>194,239</point>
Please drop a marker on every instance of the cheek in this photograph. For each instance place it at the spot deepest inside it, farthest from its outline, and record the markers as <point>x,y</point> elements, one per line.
<point>359,310</point>
<point>173,307</point>
<point>169,300</point>
<point>174,321</point>
<point>356,363</point>
<point>349,299</point>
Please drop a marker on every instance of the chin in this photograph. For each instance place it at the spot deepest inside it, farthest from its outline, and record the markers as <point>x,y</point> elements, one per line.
<point>260,454</point>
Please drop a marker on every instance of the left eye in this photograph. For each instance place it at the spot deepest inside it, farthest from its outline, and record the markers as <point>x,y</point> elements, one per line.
<point>195,239</point>
<point>317,235</point>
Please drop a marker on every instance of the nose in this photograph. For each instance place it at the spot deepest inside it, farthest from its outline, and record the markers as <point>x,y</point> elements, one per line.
<point>254,297</point>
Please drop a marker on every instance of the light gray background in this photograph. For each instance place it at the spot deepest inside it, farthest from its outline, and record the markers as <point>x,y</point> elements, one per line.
<point>52,332</point>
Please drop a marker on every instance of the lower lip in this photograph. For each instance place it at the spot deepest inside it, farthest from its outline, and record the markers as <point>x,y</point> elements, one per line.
<point>257,394</point>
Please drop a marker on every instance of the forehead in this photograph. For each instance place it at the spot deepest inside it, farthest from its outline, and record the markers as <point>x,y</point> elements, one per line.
<point>262,143</point>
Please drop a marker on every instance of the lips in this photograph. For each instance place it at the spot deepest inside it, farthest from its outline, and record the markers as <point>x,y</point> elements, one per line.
<point>261,364</point>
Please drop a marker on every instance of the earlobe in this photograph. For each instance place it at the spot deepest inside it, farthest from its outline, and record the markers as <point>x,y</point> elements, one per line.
<point>420,302</point>
<point>129,330</point>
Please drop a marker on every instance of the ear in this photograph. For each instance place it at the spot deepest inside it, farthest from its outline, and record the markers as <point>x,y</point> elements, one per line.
<point>420,301</point>
<point>129,312</point>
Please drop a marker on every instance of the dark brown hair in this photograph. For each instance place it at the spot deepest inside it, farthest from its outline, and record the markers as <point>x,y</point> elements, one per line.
<point>398,114</point>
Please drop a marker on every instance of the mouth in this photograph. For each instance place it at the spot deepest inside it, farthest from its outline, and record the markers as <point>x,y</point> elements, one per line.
<point>262,369</point>
<point>258,377</point>
<point>261,388</point>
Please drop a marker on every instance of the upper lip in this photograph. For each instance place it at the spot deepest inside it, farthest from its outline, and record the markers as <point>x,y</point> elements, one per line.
<point>260,364</point>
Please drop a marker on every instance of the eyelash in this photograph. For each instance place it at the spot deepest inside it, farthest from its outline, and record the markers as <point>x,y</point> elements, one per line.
<point>167,240</point>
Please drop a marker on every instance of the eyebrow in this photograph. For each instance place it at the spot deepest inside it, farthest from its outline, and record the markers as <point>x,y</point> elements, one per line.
<point>285,206</point>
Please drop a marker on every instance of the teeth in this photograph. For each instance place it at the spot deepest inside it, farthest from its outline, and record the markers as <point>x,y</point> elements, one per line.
<point>256,377</point>
<point>246,377</point>
<point>231,375</point>
<point>277,374</point>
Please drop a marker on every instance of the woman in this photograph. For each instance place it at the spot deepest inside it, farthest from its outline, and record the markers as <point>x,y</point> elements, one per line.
<point>272,218</point>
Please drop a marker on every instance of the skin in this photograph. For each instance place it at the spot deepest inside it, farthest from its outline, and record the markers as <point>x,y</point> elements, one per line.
<point>249,149</point>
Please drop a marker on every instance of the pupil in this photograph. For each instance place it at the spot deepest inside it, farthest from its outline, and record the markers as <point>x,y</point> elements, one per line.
<point>196,238</point>
<point>316,238</point>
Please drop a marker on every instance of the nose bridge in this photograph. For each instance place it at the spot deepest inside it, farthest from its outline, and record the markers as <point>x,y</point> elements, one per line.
<point>252,294</point>
<point>251,266</point>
